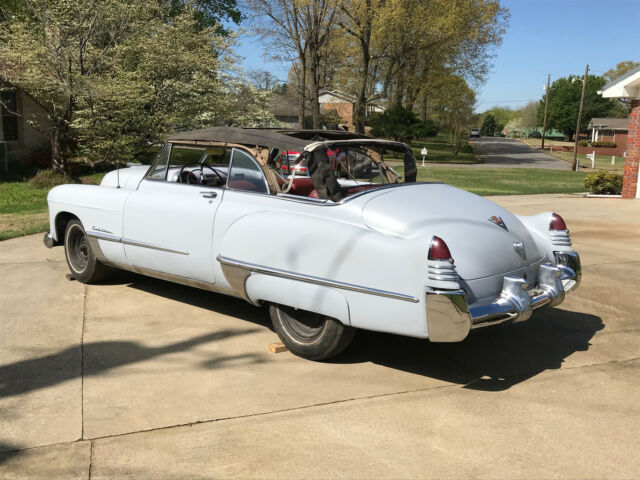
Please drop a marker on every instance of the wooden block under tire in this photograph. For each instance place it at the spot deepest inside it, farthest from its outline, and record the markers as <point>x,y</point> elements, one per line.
<point>278,347</point>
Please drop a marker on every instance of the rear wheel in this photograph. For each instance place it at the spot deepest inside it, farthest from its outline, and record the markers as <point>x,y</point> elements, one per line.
<point>82,262</point>
<point>310,335</point>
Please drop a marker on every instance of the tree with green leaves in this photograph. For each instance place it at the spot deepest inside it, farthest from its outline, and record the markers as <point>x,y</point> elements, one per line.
<point>564,103</point>
<point>489,125</point>
<point>397,123</point>
<point>113,77</point>
<point>456,101</point>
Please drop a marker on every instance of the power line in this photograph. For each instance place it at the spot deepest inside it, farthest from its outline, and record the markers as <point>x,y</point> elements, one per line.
<point>508,101</point>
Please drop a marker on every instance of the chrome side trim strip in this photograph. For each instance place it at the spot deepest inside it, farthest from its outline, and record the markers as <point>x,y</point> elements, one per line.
<point>172,278</point>
<point>133,243</point>
<point>103,236</point>
<point>315,280</point>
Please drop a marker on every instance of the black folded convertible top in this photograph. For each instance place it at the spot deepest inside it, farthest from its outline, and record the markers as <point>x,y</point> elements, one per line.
<point>283,139</point>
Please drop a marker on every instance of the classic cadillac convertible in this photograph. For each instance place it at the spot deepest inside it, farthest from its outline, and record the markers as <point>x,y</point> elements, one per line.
<point>354,243</point>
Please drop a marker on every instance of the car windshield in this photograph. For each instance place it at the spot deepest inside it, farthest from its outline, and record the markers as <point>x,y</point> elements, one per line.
<point>335,170</point>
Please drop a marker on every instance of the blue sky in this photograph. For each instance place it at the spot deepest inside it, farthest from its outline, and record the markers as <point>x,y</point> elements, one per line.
<point>557,37</point>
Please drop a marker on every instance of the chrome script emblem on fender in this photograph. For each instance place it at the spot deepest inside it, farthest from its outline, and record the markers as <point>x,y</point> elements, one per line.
<point>519,248</point>
<point>498,221</point>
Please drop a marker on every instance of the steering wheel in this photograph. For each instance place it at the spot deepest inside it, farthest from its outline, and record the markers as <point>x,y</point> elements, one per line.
<point>191,177</point>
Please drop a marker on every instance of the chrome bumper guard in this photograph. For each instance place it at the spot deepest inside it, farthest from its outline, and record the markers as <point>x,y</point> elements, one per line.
<point>48,240</point>
<point>450,317</point>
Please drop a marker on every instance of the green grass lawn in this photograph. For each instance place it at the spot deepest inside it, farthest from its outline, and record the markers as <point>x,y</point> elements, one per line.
<point>504,181</point>
<point>23,210</point>
<point>439,151</point>
<point>603,162</point>
<point>23,207</point>
<point>22,197</point>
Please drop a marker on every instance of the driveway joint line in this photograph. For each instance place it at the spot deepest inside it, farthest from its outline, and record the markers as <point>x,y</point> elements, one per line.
<point>90,459</point>
<point>32,263</point>
<point>84,315</point>
<point>303,407</point>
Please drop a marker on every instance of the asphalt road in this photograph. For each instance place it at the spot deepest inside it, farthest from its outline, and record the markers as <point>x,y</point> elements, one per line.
<point>140,378</point>
<point>497,152</point>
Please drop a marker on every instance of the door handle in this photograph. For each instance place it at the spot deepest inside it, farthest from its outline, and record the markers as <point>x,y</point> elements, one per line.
<point>209,194</point>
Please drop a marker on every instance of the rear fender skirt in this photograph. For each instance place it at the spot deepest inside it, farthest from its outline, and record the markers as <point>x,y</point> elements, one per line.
<point>284,291</point>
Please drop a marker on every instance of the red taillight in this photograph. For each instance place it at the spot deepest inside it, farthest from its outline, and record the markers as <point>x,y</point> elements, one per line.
<point>438,250</point>
<point>557,223</point>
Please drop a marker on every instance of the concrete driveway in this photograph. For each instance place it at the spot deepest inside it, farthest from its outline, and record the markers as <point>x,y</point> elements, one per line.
<point>139,378</point>
<point>498,152</point>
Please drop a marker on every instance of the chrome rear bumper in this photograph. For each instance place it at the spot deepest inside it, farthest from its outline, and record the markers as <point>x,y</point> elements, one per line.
<point>450,317</point>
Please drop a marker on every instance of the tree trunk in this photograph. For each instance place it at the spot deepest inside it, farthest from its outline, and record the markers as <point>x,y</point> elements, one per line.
<point>302,87</point>
<point>423,106</point>
<point>315,89</point>
<point>455,139</point>
<point>58,163</point>
<point>360,108</point>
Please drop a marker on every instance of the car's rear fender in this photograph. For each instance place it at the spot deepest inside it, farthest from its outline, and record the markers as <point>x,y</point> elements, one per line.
<point>326,301</point>
<point>359,276</point>
<point>538,226</point>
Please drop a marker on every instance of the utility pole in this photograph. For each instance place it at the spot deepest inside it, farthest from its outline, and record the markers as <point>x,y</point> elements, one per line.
<point>575,148</point>
<point>546,109</point>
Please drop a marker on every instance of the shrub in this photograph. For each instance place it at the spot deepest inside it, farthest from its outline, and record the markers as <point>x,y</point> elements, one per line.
<point>424,129</point>
<point>604,144</point>
<point>604,183</point>
<point>48,179</point>
<point>396,123</point>
<point>583,143</point>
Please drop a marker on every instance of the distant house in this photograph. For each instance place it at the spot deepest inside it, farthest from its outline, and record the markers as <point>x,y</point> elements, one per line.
<point>610,129</point>
<point>344,105</point>
<point>20,141</point>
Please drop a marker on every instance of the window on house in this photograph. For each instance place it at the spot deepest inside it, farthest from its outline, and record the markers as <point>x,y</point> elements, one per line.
<point>9,107</point>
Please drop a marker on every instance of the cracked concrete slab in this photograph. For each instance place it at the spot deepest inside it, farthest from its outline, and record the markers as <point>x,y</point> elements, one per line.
<point>172,354</point>
<point>551,397</point>
<point>40,334</point>
<point>68,461</point>
<point>545,428</point>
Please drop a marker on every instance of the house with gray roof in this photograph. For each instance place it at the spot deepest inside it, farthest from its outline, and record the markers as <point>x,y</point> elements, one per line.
<point>609,129</point>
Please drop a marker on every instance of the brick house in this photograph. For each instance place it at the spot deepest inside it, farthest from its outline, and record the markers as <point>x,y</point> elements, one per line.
<point>20,141</point>
<point>344,104</point>
<point>610,130</point>
<point>628,86</point>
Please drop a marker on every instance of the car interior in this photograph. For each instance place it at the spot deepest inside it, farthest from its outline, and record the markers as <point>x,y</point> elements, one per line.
<point>355,169</point>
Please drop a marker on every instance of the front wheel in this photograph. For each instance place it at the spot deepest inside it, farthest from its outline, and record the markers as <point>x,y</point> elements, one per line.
<point>83,264</point>
<point>310,335</point>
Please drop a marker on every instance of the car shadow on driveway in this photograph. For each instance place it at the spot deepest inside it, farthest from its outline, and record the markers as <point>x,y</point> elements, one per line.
<point>490,359</point>
<point>96,357</point>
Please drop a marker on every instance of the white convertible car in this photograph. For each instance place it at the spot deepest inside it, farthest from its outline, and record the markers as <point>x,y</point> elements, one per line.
<point>354,243</point>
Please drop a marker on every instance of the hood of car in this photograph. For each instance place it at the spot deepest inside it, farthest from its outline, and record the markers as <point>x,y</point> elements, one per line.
<point>128,177</point>
<point>484,238</point>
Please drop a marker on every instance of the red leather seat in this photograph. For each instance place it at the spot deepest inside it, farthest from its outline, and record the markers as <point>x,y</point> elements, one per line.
<point>243,185</point>
<point>302,186</point>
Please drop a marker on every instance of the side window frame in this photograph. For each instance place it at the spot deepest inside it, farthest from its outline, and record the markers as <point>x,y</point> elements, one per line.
<point>168,147</point>
<point>258,168</point>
